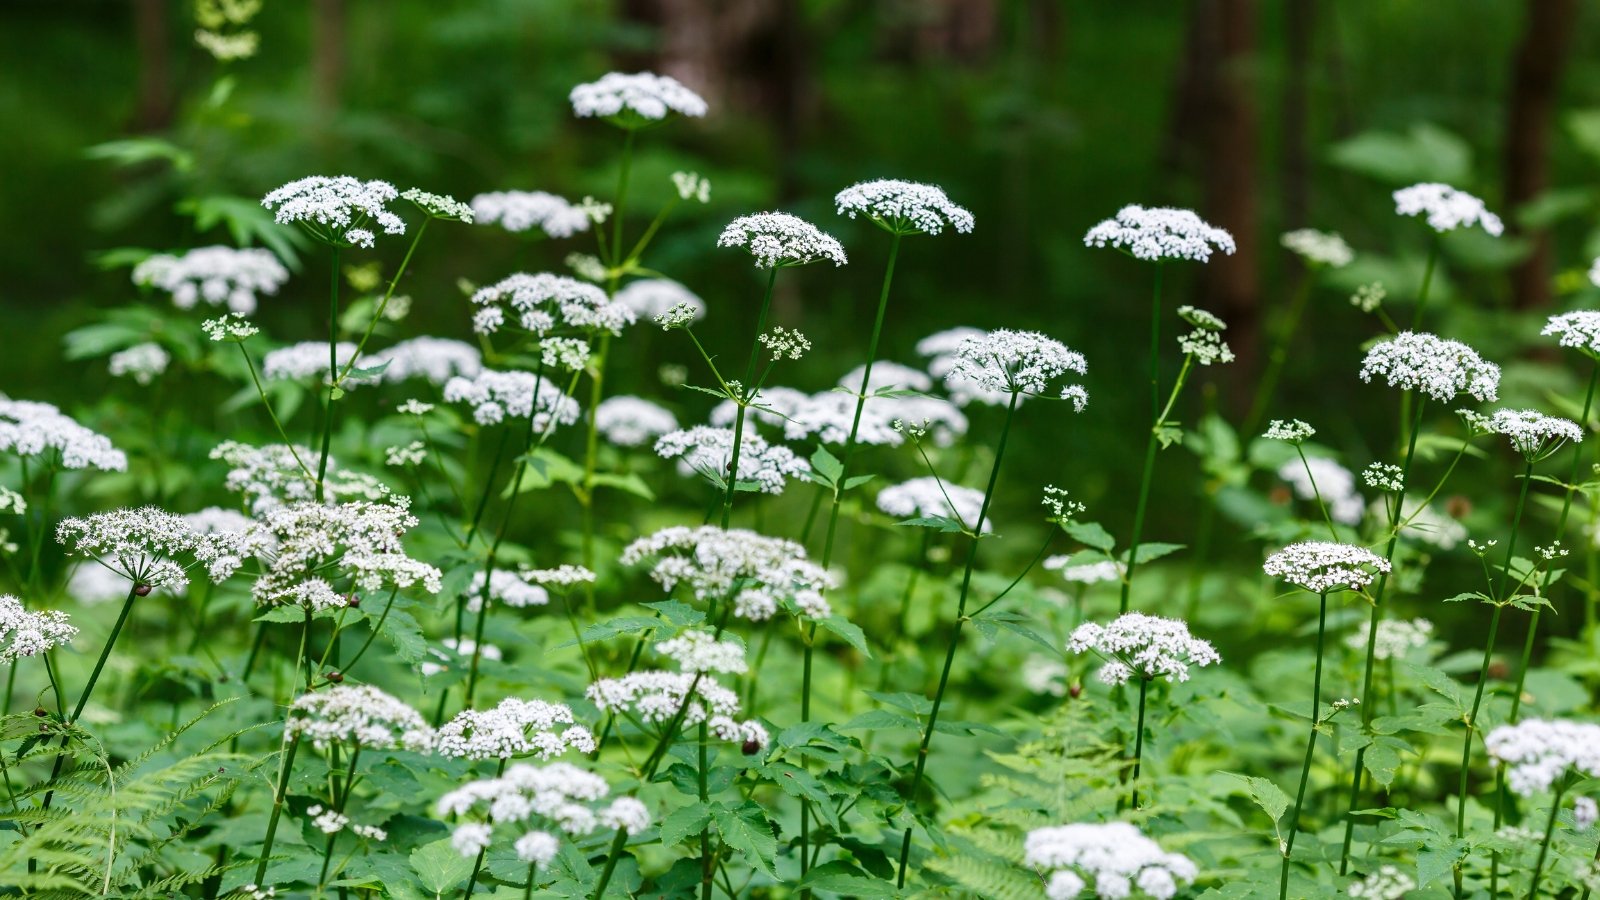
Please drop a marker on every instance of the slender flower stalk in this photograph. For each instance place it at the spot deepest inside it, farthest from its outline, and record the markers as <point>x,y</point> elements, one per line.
<point>1147,475</point>
<point>732,475</point>
<point>333,367</point>
<point>1311,748</point>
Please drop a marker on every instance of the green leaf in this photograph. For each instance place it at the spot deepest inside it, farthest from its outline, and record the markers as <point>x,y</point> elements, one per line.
<point>137,150</point>
<point>402,630</point>
<point>1090,534</point>
<point>283,614</point>
<point>852,633</point>
<point>746,830</point>
<point>942,524</point>
<point>1272,800</point>
<point>840,877</point>
<point>547,467</point>
<point>684,822</point>
<point>1425,153</point>
<point>855,481</point>
<point>880,720</point>
<point>1154,551</point>
<point>439,867</point>
<point>677,612</point>
<point>826,466</point>
<point>628,483</point>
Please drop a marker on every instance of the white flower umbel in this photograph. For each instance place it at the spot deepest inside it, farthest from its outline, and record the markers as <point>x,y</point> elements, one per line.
<point>757,573</point>
<point>779,239</point>
<point>1534,434</point>
<point>829,416</point>
<point>1323,567</point>
<point>1579,330</point>
<point>632,101</point>
<point>660,698</point>
<point>1388,883</point>
<point>632,421</point>
<point>1445,208</point>
<point>507,588</point>
<point>24,633</point>
<point>536,803</point>
<point>308,360</point>
<point>1115,858</point>
<point>1319,476</point>
<point>436,359</point>
<point>887,376</point>
<point>327,553</point>
<point>928,497</point>
<point>1148,647</point>
<point>651,297</point>
<point>940,349</point>
<point>1395,638</point>
<point>543,303</point>
<point>701,651</point>
<point>519,211</point>
<point>708,451</point>
<point>31,429</point>
<point>338,211</point>
<point>217,520</point>
<point>560,579</point>
<point>903,207</point>
<point>1536,752</point>
<point>1020,362</point>
<point>513,728</point>
<point>217,276</point>
<point>1160,233</point>
<point>1084,573</point>
<point>1319,248</point>
<point>1293,431</point>
<point>150,546</point>
<point>439,206</point>
<point>1584,813</point>
<point>141,362</point>
<point>274,475</point>
<point>495,396</point>
<point>1439,368</point>
<point>357,714</point>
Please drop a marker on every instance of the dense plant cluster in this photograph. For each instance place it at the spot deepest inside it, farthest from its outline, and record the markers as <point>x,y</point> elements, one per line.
<point>409,615</point>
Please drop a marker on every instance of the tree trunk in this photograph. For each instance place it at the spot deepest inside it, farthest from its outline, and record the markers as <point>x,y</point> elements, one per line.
<point>1535,80</point>
<point>153,41</point>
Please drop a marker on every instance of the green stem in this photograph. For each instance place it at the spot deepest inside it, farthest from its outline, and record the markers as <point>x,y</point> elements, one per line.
<point>955,636</point>
<point>1544,846</point>
<point>333,367</point>
<point>1427,281</point>
<point>339,802</point>
<point>1311,747</point>
<point>1150,444</point>
<point>1368,708</point>
<point>494,549</point>
<point>88,689</point>
<point>1138,742</point>
<point>623,170</point>
<point>265,401</point>
<point>707,860</point>
<point>732,475</point>
<point>278,795</point>
<point>383,304</point>
<point>1287,326</point>
<point>591,457</point>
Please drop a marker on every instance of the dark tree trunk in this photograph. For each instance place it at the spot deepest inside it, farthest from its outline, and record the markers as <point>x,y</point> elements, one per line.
<point>1535,80</point>
<point>154,43</point>
<point>1299,24</point>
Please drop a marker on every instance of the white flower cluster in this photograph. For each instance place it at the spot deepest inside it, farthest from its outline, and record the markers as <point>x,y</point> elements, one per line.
<point>1536,752</point>
<point>150,546</point>
<point>756,571</point>
<point>1160,233</point>
<point>537,800</point>
<point>652,297</point>
<point>495,395</point>
<point>464,648</point>
<point>218,275</point>
<point>1386,477</point>
<point>1045,675</point>
<point>274,475</point>
<point>779,239</point>
<point>903,207</point>
<point>1322,248</point>
<point>1205,342</point>
<point>439,206</point>
<point>141,362</point>
<point>632,421</point>
<point>562,578</point>
<point>544,302</point>
<point>24,633</point>
<point>1387,883</point>
<point>886,376</point>
<point>708,451</point>
<point>28,428</point>
<point>1532,433</point>
<point>436,359</point>
<point>336,210</point>
<point>928,496</point>
<point>1293,431</point>
<point>504,587</point>
<point>1084,573</point>
<point>511,729</point>
<point>1324,567</point>
<point>701,651</point>
<point>829,415</point>
<point>307,359</point>
<point>1579,330</point>
<point>1445,208</point>
<point>635,99</point>
<point>1333,482</point>
<point>1116,857</point>
<point>518,211</point>
<point>1395,639</point>
<point>1417,361</point>
<point>1584,813</point>
<point>660,697</point>
<point>940,349</point>
<point>359,541</point>
<point>217,520</point>
<point>1018,362</point>
<point>357,714</point>
<point>1148,647</point>
<point>232,328</point>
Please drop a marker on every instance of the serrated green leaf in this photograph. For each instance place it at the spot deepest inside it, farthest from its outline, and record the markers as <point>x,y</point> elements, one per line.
<point>746,830</point>
<point>439,867</point>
